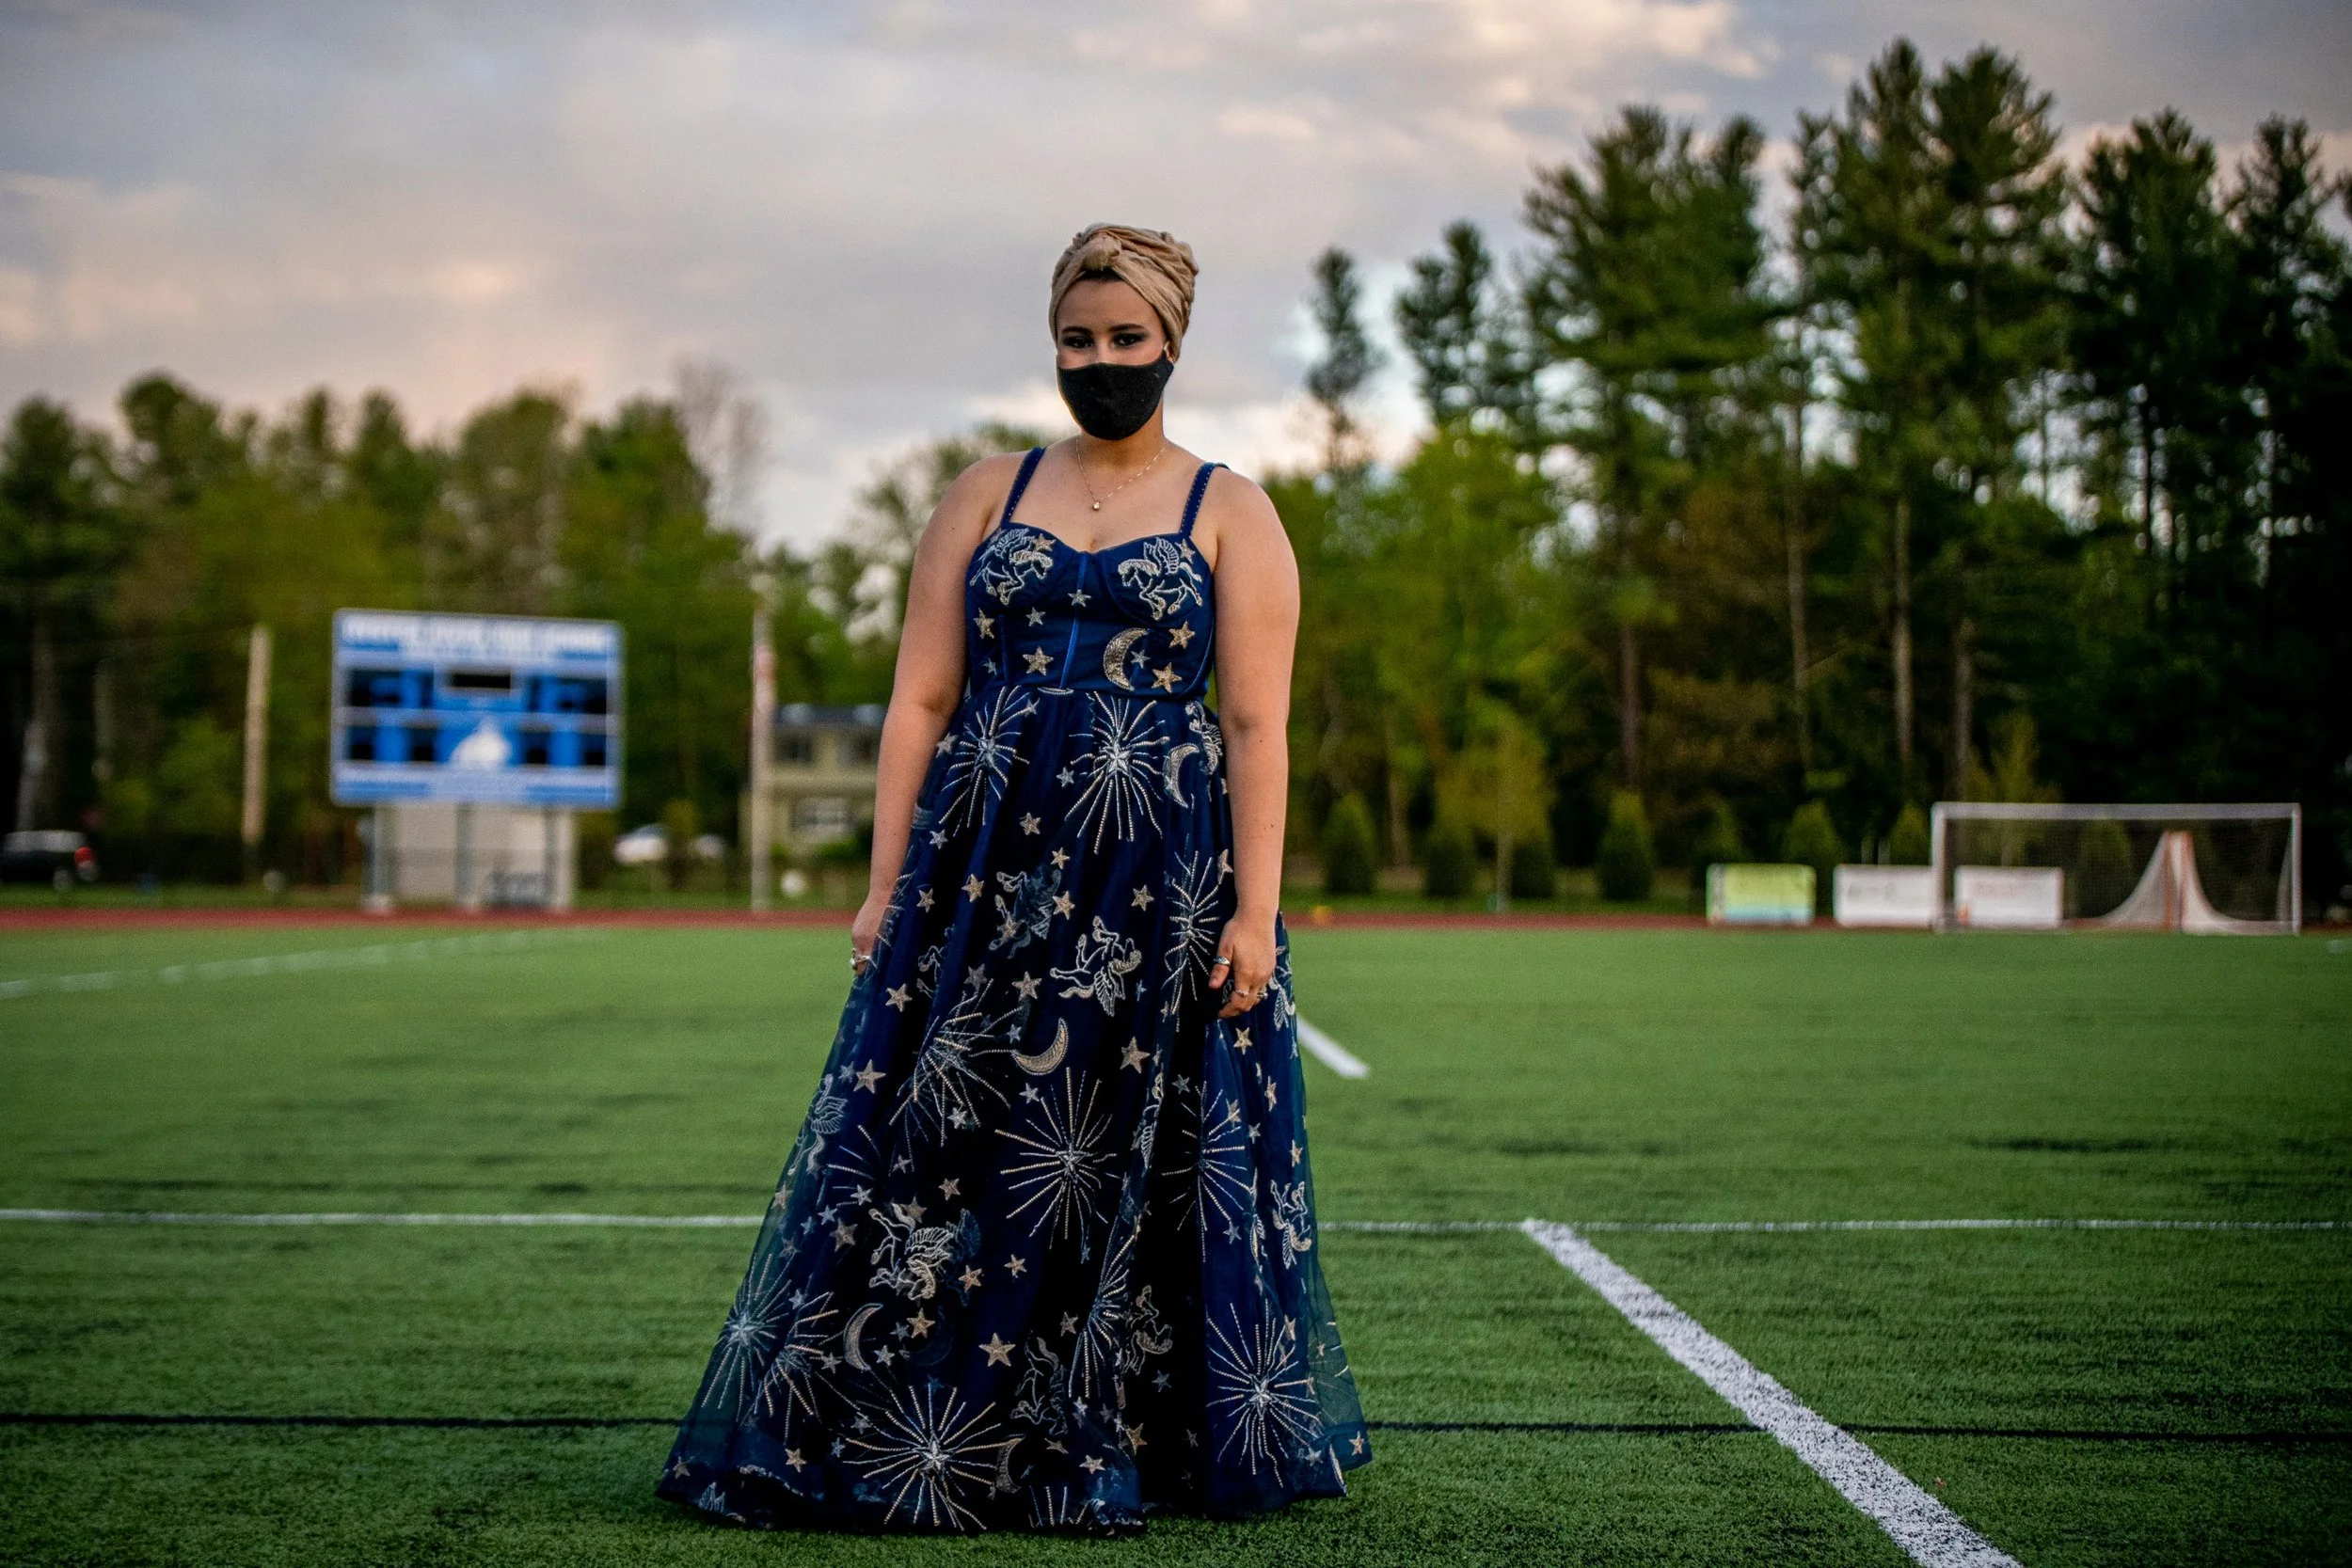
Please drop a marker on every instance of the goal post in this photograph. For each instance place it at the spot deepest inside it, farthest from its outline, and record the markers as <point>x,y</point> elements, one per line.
<point>2233,868</point>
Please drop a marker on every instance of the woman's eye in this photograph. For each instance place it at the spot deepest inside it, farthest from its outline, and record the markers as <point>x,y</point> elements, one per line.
<point>1127,340</point>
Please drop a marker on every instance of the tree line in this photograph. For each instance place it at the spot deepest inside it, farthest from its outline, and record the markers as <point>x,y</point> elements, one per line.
<point>1977,474</point>
<point>1736,528</point>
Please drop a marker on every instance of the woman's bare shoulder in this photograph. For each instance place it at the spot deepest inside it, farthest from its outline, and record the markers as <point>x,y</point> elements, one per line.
<point>970,504</point>
<point>1236,510</point>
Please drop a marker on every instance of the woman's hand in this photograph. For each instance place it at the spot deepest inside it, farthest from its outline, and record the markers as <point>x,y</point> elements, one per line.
<point>1244,954</point>
<point>867,930</point>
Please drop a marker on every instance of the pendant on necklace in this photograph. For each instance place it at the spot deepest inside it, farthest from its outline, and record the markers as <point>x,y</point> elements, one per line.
<point>1098,506</point>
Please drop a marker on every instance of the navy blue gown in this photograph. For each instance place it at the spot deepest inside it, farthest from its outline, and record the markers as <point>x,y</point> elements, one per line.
<point>1044,1251</point>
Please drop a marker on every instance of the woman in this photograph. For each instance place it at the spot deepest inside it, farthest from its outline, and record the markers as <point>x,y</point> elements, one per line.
<point>1044,1251</point>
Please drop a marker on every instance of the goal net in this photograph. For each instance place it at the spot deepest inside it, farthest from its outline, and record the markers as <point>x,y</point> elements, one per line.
<point>2200,868</point>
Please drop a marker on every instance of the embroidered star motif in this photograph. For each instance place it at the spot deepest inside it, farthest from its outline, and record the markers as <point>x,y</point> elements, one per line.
<point>1164,677</point>
<point>1133,1056</point>
<point>909,1211</point>
<point>1241,1040</point>
<point>677,1469</point>
<point>1066,777</point>
<point>1080,597</point>
<point>950,1187</point>
<point>1356,1444</point>
<point>1070,1322</point>
<point>921,1323</point>
<point>939,837</point>
<point>988,628</point>
<point>1296,1152</point>
<point>970,1278</point>
<point>1061,857</point>
<point>792,1457</point>
<point>1160,1381</point>
<point>897,997</point>
<point>884,1356</point>
<point>1134,1435</point>
<point>1030,824</point>
<point>844,1233</point>
<point>1030,1096</point>
<point>1037,616</point>
<point>1016,1266</point>
<point>1181,635</point>
<point>946,744</point>
<point>923,901</point>
<point>1036,660</point>
<point>867,1079</point>
<point>1091,1464</point>
<point>1269,1094</point>
<point>973,887</point>
<point>1141,898</point>
<point>1063,903</point>
<point>1026,988</point>
<point>999,1352</point>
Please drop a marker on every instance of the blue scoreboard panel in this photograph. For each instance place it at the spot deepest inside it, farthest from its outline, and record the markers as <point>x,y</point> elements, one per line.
<point>480,709</point>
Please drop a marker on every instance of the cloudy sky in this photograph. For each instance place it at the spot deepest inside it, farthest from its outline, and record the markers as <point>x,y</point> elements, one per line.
<point>855,206</point>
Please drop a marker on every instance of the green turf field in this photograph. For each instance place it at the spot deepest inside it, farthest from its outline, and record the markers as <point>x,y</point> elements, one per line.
<point>2079,1396</point>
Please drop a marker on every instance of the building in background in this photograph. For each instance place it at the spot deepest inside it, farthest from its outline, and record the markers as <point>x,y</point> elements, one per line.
<point>821,784</point>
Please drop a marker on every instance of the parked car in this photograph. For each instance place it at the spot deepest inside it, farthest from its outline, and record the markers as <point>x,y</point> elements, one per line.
<point>645,845</point>
<point>56,856</point>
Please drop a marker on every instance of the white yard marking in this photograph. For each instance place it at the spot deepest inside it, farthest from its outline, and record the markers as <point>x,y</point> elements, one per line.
<point>1330,1052</point>
<point>1932,1534</point>
<point>129,1217</point>
<point>367,956</point>
<point>1410,1228</point>
<point>1705,1227</point>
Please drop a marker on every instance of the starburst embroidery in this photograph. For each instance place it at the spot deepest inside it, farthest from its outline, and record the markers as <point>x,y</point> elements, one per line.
<point>802,1365</point>
<point>1257,1384</point>
<point>943,1087</point>
<point>761,1317</point>
<point>1061,1169</point>
<point>1121,772</point>
<point>926,1452</point>
<point>1193,924</point>
<point>984,756</point>
<point>1102,1345</point>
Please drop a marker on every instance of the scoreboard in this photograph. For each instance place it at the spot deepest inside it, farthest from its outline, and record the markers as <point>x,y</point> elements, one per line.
<point>476,709</point>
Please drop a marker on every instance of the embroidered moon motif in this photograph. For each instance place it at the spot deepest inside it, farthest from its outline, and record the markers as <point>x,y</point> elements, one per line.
<point>850,1350</point>
<point>1048,1060</point>
<point>1176,755</point>
<point>1115,657</point>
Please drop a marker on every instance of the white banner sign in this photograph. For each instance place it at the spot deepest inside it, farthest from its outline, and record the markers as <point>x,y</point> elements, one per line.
<point>2009,898</point>
<point>1885,895</point>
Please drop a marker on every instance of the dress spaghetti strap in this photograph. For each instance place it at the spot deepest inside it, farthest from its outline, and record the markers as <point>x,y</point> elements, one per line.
<point>1020,482</point>
<point>1192,506</point>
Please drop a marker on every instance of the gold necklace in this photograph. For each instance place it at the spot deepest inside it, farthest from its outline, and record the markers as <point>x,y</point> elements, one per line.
<point>1123,484</point>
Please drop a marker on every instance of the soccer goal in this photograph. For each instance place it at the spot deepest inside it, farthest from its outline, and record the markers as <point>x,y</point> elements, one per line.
<point>2233,868</point>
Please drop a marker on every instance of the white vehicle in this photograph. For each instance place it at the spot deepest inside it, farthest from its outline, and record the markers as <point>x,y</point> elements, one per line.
<point>645,845</point>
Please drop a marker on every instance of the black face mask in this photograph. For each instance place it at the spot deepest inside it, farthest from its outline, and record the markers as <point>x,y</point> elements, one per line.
<point>1113,402</point>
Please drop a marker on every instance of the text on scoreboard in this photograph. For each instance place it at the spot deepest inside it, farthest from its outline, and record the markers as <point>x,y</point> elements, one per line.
<point>481,709</point>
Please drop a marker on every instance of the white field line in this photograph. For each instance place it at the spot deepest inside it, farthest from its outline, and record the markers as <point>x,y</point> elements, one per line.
<point>1704,1227</point>
<point>1410,1228</point>
<point>124,1216</point>
<point>1932,1534</point>
<point>1330,1052</point>
<point>368,956</point>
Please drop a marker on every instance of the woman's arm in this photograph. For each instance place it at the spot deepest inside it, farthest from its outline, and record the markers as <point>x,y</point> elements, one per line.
<point>1257,628</point>
<point>930,679</point>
